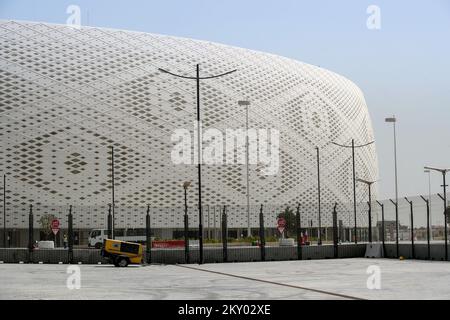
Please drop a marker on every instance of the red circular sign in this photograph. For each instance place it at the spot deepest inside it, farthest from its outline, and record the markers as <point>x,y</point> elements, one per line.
<point>55,224</point>
<point>281,222</point>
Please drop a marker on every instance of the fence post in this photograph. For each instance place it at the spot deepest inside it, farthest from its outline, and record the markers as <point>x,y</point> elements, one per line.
<point>30,235</point>
<point>186,238</point>
<point>262,238</point>
<point>224,234</point>
<point>148,236</point>
<point>298,226</point>
<point>70,230</point>
<point>413,253</point>
<point>428,226</point>
<point>109,223</point>
<point>382,227</point>
<point>335,232</point>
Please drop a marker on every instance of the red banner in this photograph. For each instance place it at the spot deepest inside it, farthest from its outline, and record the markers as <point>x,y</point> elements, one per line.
<point>168,244</point>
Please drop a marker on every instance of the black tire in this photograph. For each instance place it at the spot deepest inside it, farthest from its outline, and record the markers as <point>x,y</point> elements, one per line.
<point>98,245</point>
<point>122,262</point>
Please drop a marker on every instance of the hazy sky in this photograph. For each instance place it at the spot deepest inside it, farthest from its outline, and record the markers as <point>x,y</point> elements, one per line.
<point>403,68</point>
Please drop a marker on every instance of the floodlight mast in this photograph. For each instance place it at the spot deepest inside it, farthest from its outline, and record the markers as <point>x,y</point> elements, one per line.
<point>199,148</point>
<point>353,146</point>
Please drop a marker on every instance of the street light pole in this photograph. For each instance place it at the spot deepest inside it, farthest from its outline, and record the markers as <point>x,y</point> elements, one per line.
<point>246,104</point>
<point>112,190</point>
<point>319,241</point>
<point>354,174</point>
<point>393,120</point>
<point>199,149</point>
<point>444,185</point>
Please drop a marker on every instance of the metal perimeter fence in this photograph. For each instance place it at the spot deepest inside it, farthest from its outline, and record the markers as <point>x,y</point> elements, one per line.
<point>229,229</point>
<point>244,225</point>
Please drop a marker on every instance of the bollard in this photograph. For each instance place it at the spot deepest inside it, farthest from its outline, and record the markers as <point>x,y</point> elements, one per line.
<point>262,237</point>
<point>298,226</point>
<point>224,234</point>
<point>335,233</point>
<point>70,230</point>
<point>109,222</point>
<point>148,236</point>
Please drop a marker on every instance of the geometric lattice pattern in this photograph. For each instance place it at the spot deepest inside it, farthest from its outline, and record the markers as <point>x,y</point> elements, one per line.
<point>68,95</point>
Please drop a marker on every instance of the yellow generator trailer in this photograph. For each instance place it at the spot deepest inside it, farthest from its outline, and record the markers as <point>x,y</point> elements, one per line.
<point>121,253</point>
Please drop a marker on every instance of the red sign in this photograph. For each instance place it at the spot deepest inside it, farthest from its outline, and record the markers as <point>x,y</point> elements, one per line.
<point>168,244</point>
<point>55,226</point>
<point>281,224</point>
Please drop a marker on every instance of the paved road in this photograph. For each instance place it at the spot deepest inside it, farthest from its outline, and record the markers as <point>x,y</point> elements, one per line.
<point>312,279</point>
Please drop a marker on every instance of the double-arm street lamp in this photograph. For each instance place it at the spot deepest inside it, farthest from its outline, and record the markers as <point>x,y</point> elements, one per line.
<point>369,184</point>
<point>199,148</point>
<point>353,147</point>
<point>443,171</point>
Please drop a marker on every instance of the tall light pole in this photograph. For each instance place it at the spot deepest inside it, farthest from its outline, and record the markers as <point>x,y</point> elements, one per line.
<point>393,120</point>
<point>199,148</point>
<point>369,184</point>
<point>247,104</point>
<point>319,241</point>
<point>444,185</point>
<point>112,194</point>
<point>430,221</point>
<point>354,174</point>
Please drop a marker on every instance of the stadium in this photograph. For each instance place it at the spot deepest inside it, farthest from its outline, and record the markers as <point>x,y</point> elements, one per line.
<point>68,95</point>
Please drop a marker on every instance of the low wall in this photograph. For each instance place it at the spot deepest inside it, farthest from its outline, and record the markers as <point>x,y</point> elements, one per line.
<point>174,256</point>
<point>214,254</point>
<point>437,251</point>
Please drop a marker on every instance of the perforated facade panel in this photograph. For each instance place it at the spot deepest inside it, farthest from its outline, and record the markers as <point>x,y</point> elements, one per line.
<point>67,95</point>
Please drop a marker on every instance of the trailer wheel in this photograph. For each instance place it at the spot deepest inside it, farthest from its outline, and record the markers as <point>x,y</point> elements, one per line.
<point>122,262</point>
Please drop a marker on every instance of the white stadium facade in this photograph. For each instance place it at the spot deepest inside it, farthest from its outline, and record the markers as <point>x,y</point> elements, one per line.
<point>68,95</point>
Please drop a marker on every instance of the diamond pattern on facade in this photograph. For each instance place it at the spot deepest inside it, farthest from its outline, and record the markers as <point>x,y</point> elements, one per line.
<point>67,96</point>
